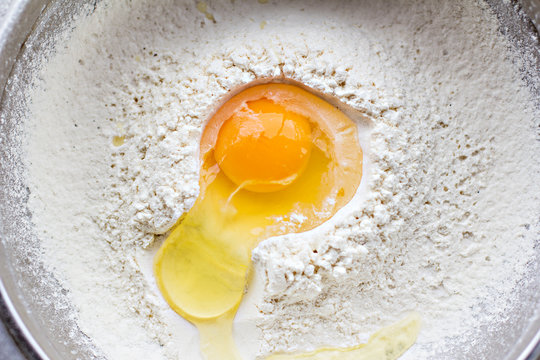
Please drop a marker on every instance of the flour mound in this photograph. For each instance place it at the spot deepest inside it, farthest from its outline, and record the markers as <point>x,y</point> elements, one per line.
<point>447,217</point>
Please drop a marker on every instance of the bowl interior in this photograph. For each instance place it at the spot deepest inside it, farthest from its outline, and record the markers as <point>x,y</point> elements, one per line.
<point>36,299</point>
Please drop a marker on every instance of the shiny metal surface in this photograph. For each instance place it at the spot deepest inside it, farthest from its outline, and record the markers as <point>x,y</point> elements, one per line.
<point>40,313</point>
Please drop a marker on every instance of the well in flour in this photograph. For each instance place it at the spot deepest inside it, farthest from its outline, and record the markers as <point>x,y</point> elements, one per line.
<point>449,213</point>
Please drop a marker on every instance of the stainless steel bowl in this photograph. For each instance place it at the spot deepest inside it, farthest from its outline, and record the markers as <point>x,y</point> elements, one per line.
<point>39,313</point>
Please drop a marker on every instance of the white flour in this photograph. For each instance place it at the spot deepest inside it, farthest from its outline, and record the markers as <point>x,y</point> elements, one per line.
<point>449,208</point>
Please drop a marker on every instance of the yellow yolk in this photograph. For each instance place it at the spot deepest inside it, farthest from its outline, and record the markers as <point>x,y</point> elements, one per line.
<point>263,147</point>
<point>275,159</point>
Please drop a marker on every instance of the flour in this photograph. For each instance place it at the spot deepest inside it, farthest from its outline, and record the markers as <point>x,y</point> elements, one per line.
<point>444,222</point>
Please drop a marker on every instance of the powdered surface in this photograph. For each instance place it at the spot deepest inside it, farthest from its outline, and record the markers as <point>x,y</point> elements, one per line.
<point>446,221</point>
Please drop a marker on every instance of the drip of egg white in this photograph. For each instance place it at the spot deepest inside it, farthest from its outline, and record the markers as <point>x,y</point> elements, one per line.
<point>246,334</point>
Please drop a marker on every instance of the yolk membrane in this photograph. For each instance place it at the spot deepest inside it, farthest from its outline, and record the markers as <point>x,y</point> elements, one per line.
<point>263,148</point>
<point>276,159</point>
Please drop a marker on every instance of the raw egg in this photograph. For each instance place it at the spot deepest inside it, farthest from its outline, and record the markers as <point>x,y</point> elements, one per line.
<point>262,147</point>
<point>275,159</point>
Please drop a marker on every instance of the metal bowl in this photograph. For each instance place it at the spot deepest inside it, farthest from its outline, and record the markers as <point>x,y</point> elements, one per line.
<point>38,311</point>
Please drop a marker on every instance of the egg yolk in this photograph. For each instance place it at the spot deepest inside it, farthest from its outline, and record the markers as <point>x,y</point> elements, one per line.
<point>262,147</point>
<point>275,159</point>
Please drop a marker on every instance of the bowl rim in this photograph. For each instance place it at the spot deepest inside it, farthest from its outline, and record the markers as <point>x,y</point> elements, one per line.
<point>16,328</point>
